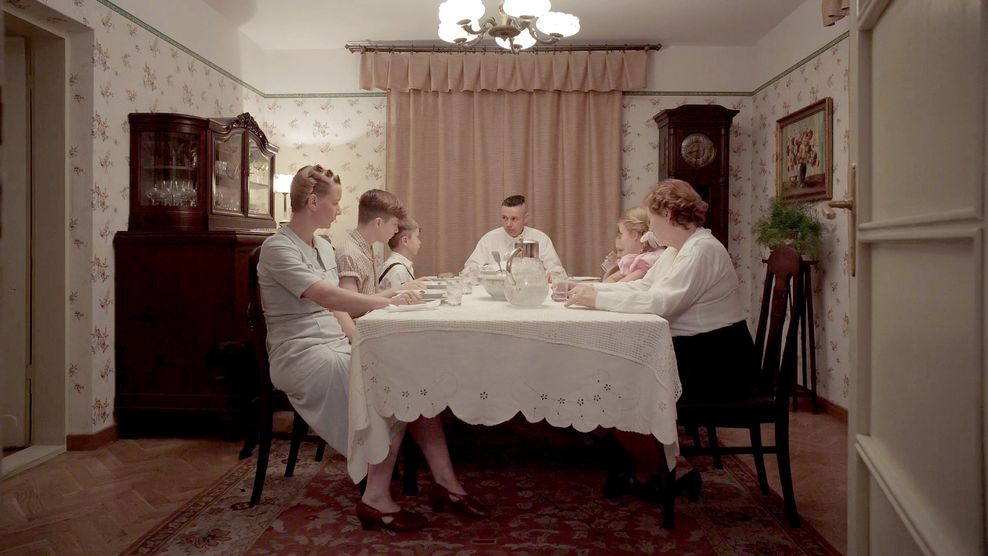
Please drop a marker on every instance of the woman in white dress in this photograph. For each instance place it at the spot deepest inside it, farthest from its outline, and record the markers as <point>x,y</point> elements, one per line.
<point>310,355</point>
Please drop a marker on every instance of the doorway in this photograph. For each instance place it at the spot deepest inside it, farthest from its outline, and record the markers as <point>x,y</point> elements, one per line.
<point>33,245</point>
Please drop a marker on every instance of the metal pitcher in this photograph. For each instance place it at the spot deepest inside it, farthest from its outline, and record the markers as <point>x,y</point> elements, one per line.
<point>523,248</point>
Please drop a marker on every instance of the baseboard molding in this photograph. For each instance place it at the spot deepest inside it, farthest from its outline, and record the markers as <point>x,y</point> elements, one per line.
<point>823,404</point>
<point>83,442</point>
<point>831,408</point>
<point>25,459</point>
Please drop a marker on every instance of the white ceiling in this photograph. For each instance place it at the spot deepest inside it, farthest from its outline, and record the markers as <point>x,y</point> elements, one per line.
<point>321,24</point>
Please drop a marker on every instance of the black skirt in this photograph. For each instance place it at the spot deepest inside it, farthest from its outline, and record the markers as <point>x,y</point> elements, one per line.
<point>719,365</point>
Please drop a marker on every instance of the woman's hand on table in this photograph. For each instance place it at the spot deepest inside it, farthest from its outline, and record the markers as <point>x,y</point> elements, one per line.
<point>583,294</point>
<point>406,297</point>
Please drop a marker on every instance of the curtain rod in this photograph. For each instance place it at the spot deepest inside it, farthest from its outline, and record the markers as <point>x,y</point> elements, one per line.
<point>369,46</point>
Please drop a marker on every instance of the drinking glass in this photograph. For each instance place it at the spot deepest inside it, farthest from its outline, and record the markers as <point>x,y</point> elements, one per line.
<point>454,292</point>
<point>560,285</point>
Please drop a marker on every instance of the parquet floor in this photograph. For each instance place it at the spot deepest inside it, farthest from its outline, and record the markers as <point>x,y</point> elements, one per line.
<point>99,502</point>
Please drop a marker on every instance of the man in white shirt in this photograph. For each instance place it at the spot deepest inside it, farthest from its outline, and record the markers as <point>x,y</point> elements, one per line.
<point>514,215</point>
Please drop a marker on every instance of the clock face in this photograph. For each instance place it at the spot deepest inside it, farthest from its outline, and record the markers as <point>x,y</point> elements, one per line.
<point>698,150</point>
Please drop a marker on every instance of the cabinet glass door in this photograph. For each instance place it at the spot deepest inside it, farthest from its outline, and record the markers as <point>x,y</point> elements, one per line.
<point>259,181</point>
<point>168,169</point>
<point>226,173</point>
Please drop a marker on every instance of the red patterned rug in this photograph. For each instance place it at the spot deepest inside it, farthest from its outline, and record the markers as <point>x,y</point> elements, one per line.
<point>546,491</point>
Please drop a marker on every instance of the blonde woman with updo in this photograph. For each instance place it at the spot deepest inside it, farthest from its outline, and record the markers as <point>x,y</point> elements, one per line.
<point>638,253</point>
<point>693,285</point>
<point>310,356</point>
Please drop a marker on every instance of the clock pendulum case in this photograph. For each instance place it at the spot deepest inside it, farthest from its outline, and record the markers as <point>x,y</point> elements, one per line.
<point>694,146</point>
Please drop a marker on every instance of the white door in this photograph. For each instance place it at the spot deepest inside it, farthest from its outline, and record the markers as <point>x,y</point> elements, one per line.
<point>14,249</point>
<point>917,418</point>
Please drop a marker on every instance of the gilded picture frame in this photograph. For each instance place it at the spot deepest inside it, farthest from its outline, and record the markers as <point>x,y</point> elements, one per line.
<point>804,153</point>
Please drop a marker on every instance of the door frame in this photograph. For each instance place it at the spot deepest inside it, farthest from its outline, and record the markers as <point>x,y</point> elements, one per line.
<point>50,283</point>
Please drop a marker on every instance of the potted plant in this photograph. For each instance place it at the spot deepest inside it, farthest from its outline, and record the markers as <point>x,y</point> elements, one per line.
<point>792,224</point>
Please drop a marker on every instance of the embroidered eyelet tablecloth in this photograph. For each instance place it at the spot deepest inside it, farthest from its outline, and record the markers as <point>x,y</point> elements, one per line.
<point>488,360</point>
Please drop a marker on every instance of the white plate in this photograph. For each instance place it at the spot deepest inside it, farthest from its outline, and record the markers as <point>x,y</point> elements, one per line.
<point>417,307</point>
<point>583,279</point>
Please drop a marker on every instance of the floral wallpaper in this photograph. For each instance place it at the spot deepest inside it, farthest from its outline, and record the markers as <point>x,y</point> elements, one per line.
<point>825,75</point>
<point>752,187</point>
<point>116,67</point>
<point>343,133</point>
<point>128,67</point>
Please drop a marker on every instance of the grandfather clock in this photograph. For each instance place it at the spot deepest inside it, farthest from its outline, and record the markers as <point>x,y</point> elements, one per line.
<point>695,146</point>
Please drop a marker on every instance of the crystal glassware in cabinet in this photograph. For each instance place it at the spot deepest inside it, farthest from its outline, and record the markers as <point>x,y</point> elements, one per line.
<point>199,174</point>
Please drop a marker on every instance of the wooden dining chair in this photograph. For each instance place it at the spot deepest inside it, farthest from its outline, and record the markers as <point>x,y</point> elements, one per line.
<point>776,342</point>
<point>268,399</point>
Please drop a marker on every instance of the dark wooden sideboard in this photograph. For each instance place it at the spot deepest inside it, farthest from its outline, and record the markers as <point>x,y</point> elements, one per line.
<point>181,306</point>
<point>201,200</point>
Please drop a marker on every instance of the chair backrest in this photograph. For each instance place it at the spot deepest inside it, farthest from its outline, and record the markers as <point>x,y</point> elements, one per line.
<point>776,342</point>
<point>255,323</point>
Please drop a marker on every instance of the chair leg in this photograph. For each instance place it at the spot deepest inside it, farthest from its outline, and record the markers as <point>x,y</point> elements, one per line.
<point>714,447</point>
<point>785,472</point>
<point>694,432</point>
<point>250,416</point>
<point>410,467</point>
<point>758,453</point>
<point>263,452</point>
<point>320,450</point>
<point>668,494</point>
<point>299,429</point>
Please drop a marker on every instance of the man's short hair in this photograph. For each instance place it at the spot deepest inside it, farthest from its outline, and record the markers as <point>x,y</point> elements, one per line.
<point>513,201</point>
<point>377,203</point>
<point>406,227</point>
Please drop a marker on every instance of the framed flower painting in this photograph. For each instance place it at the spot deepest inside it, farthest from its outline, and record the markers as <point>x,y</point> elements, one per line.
<point>805,153</point>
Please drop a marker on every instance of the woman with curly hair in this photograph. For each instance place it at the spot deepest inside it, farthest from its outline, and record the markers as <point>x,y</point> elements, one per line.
<point>693,285</point>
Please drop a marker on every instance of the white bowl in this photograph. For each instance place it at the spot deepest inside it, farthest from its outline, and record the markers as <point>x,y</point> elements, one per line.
<point>493,282</point>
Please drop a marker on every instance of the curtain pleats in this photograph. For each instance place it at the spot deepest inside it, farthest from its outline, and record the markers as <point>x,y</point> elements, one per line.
<point>461,71</point>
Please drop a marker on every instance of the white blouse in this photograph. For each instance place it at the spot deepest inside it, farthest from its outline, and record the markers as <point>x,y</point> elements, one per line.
<point>393,274</point>
<point>695,288</point>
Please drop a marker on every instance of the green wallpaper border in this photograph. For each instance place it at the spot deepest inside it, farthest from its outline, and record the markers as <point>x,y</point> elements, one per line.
<point>375,94</point>
<point>806,59</point>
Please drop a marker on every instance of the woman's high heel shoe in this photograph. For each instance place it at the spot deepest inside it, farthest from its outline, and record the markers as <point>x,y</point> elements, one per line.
<point>464,504</point>
<point>402,520</point>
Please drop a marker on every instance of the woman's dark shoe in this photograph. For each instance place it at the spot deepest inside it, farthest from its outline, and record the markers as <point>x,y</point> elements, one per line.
<point>650,490</point>
<point>617,484</point>
<point>690,484</point>
<point>440,498</point>
<point>402,520</point>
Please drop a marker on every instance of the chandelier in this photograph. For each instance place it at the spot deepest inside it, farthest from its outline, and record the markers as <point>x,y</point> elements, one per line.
<point>523,23</point>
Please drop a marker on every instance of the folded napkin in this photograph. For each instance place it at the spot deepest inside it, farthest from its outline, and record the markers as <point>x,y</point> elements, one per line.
<point>428,305</point>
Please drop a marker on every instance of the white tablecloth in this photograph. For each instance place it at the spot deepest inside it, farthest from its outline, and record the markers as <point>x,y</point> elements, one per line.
<point>487,360</point>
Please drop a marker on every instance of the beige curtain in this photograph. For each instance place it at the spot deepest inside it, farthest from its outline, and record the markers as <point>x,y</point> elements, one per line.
<point>834,11</point>
<point>452,156</point>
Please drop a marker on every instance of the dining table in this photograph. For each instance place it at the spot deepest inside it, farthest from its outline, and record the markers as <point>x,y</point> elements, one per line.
<point>487,360</point>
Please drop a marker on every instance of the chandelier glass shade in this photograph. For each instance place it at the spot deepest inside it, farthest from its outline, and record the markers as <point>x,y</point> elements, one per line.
<point>522,23</point>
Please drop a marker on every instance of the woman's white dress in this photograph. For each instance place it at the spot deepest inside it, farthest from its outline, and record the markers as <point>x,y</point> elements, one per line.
<point>308,352</point>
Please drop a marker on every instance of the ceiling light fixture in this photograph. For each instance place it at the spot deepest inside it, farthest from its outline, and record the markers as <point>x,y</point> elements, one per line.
<point>524,23</point>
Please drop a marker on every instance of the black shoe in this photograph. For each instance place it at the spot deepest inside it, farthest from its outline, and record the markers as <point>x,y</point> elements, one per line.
<point>690,484</point>
<point>617,484</point>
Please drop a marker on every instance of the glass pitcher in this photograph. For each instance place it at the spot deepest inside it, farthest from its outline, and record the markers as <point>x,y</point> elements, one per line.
<point>526,283</point>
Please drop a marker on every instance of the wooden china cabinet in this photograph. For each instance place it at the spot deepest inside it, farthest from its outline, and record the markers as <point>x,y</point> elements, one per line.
<point>695,146</point>
<point>201,199</point>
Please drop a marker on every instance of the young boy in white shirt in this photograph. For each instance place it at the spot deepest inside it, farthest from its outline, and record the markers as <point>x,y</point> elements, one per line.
<point>405,245</point>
